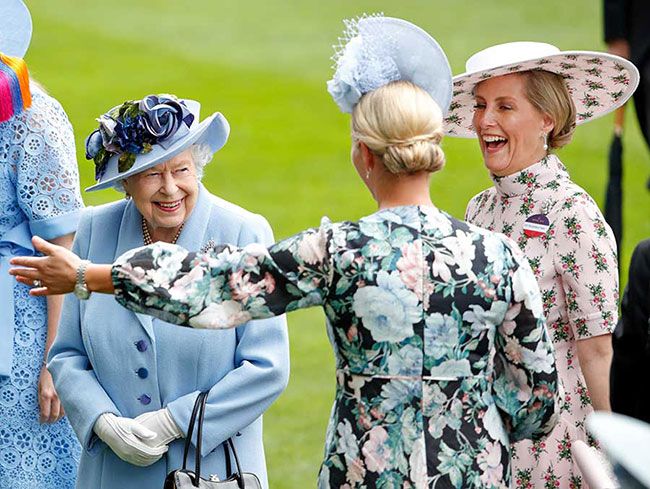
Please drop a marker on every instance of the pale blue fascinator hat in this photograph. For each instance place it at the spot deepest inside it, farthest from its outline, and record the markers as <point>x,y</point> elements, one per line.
<point>377,50</point>
<point>140,134</point>
<point>15,28</point>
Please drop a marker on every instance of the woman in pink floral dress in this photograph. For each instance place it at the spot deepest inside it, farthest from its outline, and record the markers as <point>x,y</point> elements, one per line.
<point>521,100</point>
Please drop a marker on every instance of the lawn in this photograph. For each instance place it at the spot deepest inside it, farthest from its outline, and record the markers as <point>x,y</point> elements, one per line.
<point>264,64</point>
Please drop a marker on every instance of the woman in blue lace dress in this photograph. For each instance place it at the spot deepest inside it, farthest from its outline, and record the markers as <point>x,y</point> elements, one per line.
<point>39,194</point>
<point>441,349</point>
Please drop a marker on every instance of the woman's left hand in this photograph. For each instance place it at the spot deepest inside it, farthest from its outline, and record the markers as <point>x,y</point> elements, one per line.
<point>54,273</point>
<point>48,400</point>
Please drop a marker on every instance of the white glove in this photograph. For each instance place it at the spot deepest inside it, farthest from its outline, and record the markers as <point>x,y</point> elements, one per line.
<point>127,437</point>
<point>162,424</point>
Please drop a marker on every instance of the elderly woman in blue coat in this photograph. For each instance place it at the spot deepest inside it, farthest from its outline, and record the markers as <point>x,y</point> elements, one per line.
<point>128,382</point>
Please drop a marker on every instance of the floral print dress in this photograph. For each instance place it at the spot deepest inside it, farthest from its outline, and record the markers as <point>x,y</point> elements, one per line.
<point>442,353</point>
<point>574,261</point>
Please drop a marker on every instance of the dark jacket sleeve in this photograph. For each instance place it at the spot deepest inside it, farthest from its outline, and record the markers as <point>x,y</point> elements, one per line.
<point>631,360</point>
<point>615,19</point>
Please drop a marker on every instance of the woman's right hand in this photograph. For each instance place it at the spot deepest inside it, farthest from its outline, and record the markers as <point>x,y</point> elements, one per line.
<point>127,438</point>
<point>56,270</point>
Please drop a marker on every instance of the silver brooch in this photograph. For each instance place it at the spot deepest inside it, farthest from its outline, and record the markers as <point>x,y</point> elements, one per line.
<point>208,246</point>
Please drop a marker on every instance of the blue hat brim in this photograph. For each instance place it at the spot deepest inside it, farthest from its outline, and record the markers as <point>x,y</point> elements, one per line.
<point>404,51</point>
<point>213,131</point>
<point>426,67</point>
<point>15,28</point>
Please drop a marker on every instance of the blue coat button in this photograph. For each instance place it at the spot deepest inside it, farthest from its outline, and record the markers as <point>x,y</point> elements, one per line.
<point>144,399</point>
<point>142,372</point>
<point>141,345</point>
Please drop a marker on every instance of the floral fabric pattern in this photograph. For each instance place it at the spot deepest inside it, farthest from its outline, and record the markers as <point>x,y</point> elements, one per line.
<point>574,261</point>
<point>441,348</point>
<point>39,185</point>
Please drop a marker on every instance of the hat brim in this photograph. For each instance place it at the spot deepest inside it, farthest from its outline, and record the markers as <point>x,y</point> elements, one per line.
<point>15,28</point>
<point>625,440</point>
<point>419,59</point>
<point>213,131</point>
<point>598,83</point>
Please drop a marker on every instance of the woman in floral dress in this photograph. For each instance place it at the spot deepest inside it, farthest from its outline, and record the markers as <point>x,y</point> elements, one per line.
<point>442,355</point>
<point>518,117</point>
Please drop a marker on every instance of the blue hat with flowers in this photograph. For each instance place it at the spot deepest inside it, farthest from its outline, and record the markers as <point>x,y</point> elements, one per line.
<point>140,134</point>
<point>376,50</point>
<point>15,28</point>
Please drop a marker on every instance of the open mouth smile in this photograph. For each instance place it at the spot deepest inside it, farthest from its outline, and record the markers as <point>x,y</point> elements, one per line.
<point>169,207</point>
<point>494,143</point>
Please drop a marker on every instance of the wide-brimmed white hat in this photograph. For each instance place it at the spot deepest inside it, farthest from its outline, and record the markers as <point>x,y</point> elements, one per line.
<point>15,28</point>
<point>626,442</point>
<point>140,134</point>
<point>598,82</point>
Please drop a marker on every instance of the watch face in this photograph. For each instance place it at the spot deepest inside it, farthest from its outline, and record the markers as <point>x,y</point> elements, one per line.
<point>81,292</point>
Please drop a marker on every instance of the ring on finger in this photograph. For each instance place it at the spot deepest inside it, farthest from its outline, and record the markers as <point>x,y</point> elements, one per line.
<point>38,283</point>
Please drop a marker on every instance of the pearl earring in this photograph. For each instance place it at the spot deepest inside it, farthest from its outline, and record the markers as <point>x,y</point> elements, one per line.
<point>367,174</point>
<point>545,139</point>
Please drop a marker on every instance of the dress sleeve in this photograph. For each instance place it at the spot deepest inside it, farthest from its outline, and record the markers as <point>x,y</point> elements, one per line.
<point>47,174</point>
<point>586,263</point>
<point>526,382</point>
<point>226,286</point>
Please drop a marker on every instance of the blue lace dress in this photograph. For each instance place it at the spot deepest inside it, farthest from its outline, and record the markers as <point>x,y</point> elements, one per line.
<point>39,194</point>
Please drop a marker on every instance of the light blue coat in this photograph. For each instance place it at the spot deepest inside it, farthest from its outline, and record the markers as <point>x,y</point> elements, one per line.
<point>108,359</point>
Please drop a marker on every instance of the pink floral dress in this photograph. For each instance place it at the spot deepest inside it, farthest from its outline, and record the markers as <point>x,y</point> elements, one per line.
<point>572,252</point>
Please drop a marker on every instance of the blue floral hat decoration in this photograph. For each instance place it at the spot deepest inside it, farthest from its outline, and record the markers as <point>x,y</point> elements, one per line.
<point>15,28</point>
<point>140,134</point>
<point>376,50</point>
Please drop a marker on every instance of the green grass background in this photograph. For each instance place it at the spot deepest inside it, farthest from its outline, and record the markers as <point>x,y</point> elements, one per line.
<point>264,63</point>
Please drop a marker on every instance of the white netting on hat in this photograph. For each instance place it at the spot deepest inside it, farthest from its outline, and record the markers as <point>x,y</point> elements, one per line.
<point>363,60</point>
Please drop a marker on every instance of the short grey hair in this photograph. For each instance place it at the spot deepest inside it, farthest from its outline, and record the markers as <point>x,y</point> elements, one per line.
<point>201,155</point>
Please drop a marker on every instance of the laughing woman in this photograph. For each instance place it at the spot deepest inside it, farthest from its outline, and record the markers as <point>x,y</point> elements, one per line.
<point>128,383</point>
<point>523,101</point>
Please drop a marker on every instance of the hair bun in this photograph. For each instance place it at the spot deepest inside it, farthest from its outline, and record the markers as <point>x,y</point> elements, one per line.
<point>402,124</point>
<point>422,153</point>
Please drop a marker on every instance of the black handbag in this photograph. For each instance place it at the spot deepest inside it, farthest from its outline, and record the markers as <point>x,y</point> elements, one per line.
<point>186,479</point>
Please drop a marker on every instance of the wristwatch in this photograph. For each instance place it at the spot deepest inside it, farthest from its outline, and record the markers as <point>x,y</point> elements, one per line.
<point>81,288</point>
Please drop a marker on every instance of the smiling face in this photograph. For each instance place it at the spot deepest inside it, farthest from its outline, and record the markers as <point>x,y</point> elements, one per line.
<point>165,194</point>
<point>510,129</point>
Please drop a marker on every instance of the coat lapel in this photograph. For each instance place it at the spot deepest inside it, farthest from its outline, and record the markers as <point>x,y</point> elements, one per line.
<point>191,237</point>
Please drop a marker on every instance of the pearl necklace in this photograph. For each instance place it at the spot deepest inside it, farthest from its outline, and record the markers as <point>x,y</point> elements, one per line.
<point>146,236</point>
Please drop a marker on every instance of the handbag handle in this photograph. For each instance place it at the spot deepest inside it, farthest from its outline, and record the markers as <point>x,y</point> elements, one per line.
<point>229,446</point>
<point>197,412</point>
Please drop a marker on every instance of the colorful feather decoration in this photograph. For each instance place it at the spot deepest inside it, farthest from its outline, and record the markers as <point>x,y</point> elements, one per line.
<point>14,87</point>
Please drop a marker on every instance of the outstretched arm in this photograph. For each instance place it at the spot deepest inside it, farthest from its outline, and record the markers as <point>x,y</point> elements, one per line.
<point>222,288</point>
<point>226,286</point>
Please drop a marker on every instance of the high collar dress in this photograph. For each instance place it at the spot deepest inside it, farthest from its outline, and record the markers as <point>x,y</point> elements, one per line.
<point>573,255</point>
